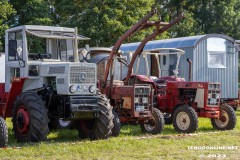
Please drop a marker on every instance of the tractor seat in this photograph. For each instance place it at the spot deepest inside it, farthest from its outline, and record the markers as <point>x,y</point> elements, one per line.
<point>116,82</point>
<point>165,79</point>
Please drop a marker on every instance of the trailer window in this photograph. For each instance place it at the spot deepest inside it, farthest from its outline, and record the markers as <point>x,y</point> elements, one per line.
<point>216,48</point>
<point>216,59</point>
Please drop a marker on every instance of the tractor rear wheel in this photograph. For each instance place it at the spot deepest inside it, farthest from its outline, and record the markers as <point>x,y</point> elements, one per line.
<point>154,125</point>
<point>185,119</point>
<point>30,119</point>
<point>227,119</point>
<point>117,124</point>
<point>3,133</point>
<point>101,126</point>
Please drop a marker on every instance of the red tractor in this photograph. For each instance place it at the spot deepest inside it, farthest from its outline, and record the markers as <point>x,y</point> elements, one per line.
<point>133,103</point>
<point>182,102</point>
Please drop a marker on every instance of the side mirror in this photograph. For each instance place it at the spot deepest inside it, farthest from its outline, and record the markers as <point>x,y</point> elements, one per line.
<point>12,48</point>
<point>19,51</point>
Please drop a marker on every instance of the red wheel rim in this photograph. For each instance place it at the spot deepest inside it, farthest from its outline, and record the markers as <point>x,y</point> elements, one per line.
<point>22,120</point>
<point>223,118</point>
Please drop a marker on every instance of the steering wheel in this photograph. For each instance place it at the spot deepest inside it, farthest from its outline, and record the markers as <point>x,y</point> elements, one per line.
<point>44,56</point>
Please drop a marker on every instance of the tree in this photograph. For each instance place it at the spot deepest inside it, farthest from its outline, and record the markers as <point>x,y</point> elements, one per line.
<point>36,12</point>
<point>104,21</point>
<point>5,12</point>
<point>216,16</point>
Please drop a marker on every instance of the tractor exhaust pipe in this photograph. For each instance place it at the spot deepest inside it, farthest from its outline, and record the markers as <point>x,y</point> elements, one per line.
<point>189,70</point>
<point>76,58</point>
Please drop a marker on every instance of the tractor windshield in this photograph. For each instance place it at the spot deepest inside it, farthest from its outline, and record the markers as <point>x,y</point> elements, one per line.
<point>159,62</point>
<point>100,57</point>
<point>51,45</point>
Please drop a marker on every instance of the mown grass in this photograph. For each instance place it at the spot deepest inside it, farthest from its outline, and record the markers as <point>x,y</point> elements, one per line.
<point>131,144</point>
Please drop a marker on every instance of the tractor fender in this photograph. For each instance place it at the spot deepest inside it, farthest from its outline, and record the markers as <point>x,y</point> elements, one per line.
<point>16,89</point>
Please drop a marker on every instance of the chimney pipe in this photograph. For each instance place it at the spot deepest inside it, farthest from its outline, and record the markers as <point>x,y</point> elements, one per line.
<point>189,70</point>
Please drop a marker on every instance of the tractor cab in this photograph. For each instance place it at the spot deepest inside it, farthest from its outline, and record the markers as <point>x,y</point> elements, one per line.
<point>100,55</point>
<point>164,63</point>
<point>161,66</point>
<point>27,47</point>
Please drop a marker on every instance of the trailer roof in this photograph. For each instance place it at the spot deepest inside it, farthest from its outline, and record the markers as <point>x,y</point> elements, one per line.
<point>181,42</point>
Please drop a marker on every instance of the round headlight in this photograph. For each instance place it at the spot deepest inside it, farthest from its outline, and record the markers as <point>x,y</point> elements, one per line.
<point>136,100</point>
<point>209,95</point>
<point>92,89</point>
<point>210,86</point>
<point>145,100</point>
<point>72,89</point>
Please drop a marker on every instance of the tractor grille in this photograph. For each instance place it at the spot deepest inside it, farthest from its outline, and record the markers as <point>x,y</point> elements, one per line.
<point>142,100</point>
<point>213,94</point>
<point>56,70</point>
<point>82,74</point>
<point>60,81</point>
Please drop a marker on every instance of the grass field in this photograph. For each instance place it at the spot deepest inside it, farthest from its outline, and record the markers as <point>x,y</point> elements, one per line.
<point>131,144</point>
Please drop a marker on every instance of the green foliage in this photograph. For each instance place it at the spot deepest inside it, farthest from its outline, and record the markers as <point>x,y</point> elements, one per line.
<point>5,12</point>
<point>103,21</point>
<point>31,12</point>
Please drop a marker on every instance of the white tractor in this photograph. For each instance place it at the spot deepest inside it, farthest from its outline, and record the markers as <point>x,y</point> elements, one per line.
<point>46,82</point>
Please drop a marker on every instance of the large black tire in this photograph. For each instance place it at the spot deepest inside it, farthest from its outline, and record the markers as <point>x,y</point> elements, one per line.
<point>117,124</point>
<point>154,125</point>
<point>167,118</point>
<point>185,119</point>
<point>29,118</point>
<point>100,127</point>
<point>3,133</point>
<point>227,119</point>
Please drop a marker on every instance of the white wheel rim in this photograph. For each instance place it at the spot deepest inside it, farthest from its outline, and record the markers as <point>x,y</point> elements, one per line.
<point>183,120</point>
<point>149,127</point>
<point>63,123</point>
<point>222,124</point>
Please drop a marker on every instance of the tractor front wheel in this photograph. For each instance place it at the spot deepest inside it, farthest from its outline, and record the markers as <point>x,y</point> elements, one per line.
<point>185,119</point>
<point>3,133</point>
<point>227,119</point>
<point>30,119</point>
<point>101,126</point>
<point>155,125</point>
